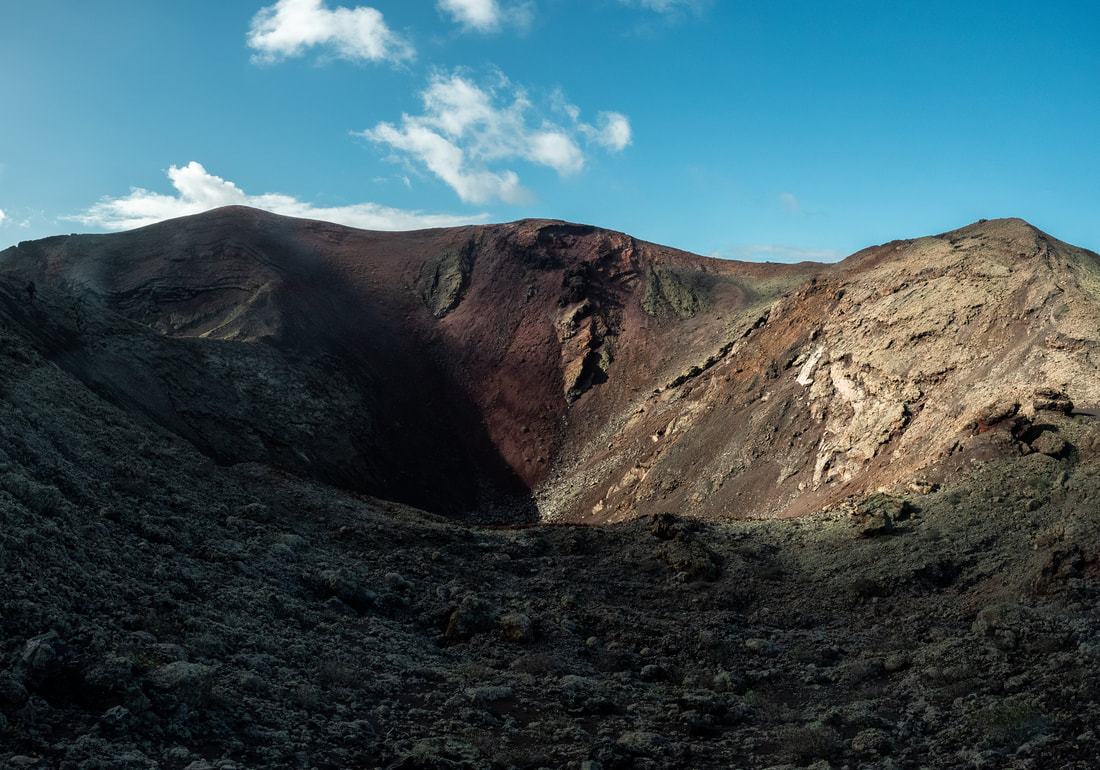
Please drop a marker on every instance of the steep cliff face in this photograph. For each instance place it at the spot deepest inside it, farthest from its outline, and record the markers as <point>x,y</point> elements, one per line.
<point>545,369</point>
<point>236,332</point>
<point>938,336</point>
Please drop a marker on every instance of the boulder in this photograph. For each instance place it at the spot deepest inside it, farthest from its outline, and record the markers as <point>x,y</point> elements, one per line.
<point>1050,444</point>
<point>472,616</point>
<point>518,627</point>
<point>188,683</point>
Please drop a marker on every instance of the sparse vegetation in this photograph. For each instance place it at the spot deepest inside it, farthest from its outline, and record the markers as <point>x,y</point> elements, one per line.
<point>1011,724</point>
<point>443,279</point>
<point>809,742</point>
<point>667,290</point>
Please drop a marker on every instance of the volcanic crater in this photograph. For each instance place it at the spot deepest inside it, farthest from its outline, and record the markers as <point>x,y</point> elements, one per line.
<point>281,493</point>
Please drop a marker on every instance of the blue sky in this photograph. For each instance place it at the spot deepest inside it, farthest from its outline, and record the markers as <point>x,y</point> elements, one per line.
<point>776,130</point>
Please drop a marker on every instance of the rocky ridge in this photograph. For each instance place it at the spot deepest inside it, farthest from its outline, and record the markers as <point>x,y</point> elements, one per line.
<point>193,580</point>
<point>561,372</point>
<point>857,381</point>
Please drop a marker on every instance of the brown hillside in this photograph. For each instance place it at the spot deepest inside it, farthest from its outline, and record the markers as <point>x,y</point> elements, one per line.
<point>443,368</point>
<point>864,378</point>
<point>568,368</point>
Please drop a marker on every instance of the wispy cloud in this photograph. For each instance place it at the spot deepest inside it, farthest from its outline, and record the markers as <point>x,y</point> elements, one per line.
<point>3,216</point>
<point>290,27</point>
<point>791,203</point>
<point>467,130</point>
<point>487,15</point>
<point>668,6</point>
<point>771,252</point>
<point>198,191</point>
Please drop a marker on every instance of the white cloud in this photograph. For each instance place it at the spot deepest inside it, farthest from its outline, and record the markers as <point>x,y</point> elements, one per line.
<point>466,128</point>
<point>199,191</point>
<point>614,132</point>
<point>556,149</point>
<point>290,27</point>
<point>449,162</point>
<point>3,216</point>
<point>482,15</point>
<point>487,15</point>
<point>771,252</point>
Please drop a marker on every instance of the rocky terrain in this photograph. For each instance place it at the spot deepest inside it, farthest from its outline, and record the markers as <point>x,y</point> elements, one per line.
<point>806,516</point>
<point>455,370</point>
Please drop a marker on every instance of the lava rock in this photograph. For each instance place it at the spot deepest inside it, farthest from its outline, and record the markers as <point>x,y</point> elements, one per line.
<point>472,616</point>
<point>691,559</point>
<point>518,627</point>
<point>188,684</point>
<point>1051,445</point>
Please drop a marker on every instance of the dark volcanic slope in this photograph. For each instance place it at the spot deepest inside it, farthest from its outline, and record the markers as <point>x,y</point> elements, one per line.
<point>466,368</point>
<point>445,368</point>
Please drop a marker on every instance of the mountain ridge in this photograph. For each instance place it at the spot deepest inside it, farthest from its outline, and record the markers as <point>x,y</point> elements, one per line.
<point>571,367</point>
